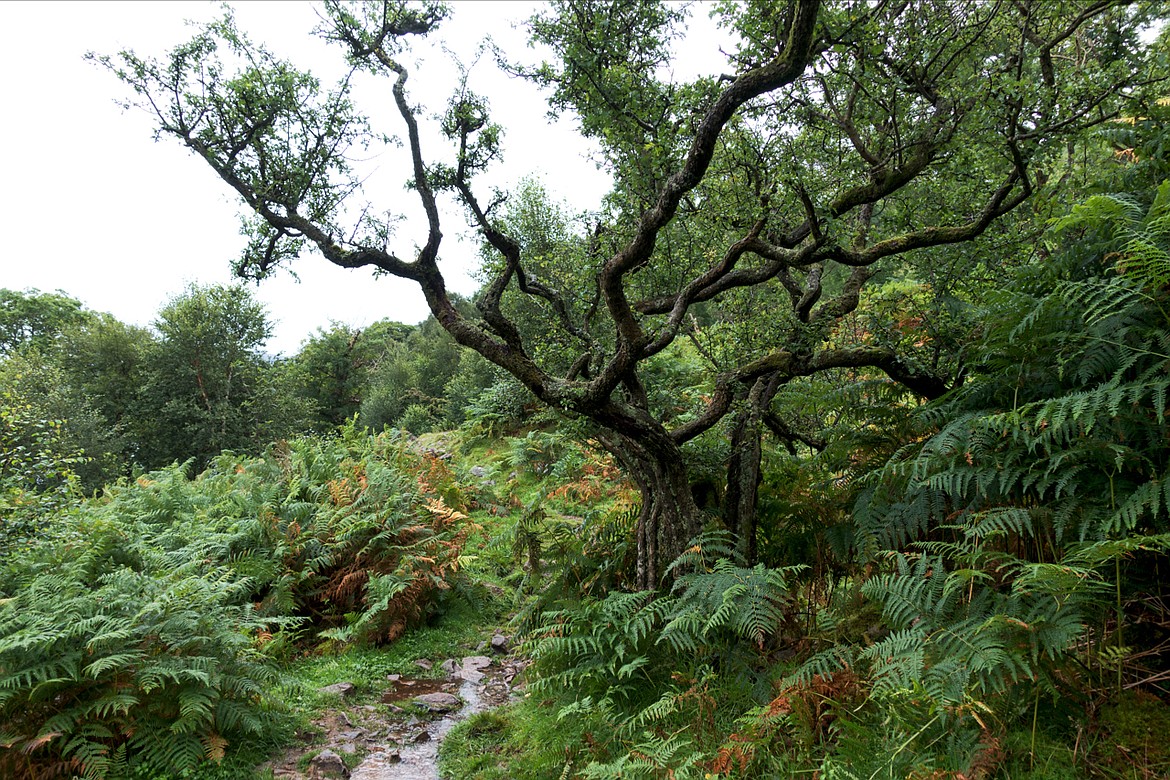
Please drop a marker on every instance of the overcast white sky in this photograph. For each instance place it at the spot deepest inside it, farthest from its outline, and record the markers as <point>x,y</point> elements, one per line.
<point>90,205</point>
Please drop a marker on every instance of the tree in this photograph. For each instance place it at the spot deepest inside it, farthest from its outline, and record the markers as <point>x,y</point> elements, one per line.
<point>103,358</point>
<point>334,367</point>
<point>77,367</point>
<point>207,386</point>
<point>850,137</point>
<point>35,319</point>
<point>421,381</point>
<point>82,433</point>
<point>36,473</point>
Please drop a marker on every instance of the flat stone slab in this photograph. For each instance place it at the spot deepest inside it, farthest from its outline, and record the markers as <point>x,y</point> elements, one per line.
<point>476,662</point>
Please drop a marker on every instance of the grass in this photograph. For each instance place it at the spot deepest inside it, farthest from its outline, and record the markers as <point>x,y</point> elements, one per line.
<point>521,741</point>
<point>457,632</point>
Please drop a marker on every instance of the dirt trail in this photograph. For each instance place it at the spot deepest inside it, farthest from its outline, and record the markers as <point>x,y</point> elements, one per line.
<point>399,738</point>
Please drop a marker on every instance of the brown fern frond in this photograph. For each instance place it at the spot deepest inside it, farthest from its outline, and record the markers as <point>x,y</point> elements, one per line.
<point>339,491</point>
<point>345,590</point>
<point>215,747</point>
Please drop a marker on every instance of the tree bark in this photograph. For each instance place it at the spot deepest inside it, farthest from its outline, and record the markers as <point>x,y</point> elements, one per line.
<point>740,501</point>
<point>743,483</point>
<point>669,517</point>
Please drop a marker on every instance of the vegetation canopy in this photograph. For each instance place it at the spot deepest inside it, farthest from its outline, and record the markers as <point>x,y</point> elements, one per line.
<point>846,140</point>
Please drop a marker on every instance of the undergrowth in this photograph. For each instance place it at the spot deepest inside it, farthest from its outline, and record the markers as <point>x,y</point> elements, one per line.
<point>143,634</point>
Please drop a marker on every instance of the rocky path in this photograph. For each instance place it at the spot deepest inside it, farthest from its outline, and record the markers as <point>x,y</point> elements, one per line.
<point>398,738</point>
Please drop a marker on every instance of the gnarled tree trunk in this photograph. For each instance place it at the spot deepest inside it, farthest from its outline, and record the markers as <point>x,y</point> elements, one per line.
<point>669,517</point>
<point>743,483</point>
<point>740,501</point>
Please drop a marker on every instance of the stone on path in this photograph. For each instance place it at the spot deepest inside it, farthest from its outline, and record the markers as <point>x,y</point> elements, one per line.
<point>327,764</point>
<point>469,667</point>
<point>476,662</point>
<point>342,689</point>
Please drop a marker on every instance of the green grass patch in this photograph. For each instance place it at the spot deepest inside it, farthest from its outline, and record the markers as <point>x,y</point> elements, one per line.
<point>521,741</point>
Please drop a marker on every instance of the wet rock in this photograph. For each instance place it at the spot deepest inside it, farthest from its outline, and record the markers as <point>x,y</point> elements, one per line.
<point>342,689</point>
<point>327,764</point>
<point>471,675</point>
<point>500,643</point>
<point>393,677</point>
<point>476,662</point>
<point>450,666</point>
<point>439,701</point>
<point>424,663</point>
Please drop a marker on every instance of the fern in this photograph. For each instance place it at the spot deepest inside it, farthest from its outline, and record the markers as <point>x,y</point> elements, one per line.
<point>140,642</point>
<point>998,535</point>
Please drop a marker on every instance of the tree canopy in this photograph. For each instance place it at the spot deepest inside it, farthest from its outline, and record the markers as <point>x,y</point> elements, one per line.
<point>847,141</point>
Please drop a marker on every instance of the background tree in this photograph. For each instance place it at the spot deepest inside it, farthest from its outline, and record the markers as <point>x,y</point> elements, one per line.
<point>104,359</point>
<point>35,319</point>
<point>848,136</point>
<point>76,369</point>
<point>96,448</point>
<point>424,381</point>
<point>207,386</point>
<point>334,367</point>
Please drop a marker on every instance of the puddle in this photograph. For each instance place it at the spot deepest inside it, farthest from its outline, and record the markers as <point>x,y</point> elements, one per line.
<point>405,690</point>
